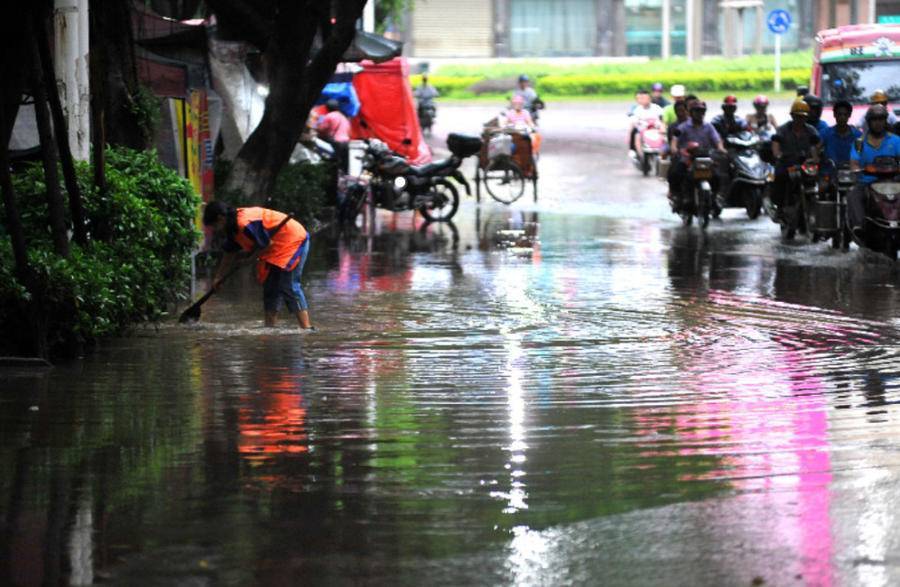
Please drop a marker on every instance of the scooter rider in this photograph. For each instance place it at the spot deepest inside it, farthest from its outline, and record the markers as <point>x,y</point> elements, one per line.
<point>815,113</point>
<point>642,111</point>
<point>794,142</point>
<point>761,119</point>
<point>880,97</point>
<point>877,142</point>
<point>695,130</point>
<point>837,140</point>
<point>727,123</point>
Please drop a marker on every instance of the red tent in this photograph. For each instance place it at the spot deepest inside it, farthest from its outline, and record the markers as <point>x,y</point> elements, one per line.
<point>388,109</point>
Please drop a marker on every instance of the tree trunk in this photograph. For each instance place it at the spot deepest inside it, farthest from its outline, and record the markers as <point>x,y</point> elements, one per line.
<point>295,84</point>
<point>76,208</point>
<point>13,220</point>
<point>98,115</point>
<point>55,203</point>
<point>111,34</point>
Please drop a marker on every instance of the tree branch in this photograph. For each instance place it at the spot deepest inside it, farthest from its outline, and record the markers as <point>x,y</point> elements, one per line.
<point>254,25</point>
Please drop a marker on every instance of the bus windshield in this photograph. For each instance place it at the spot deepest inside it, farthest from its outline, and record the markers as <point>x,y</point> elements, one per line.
<point>855,81</point>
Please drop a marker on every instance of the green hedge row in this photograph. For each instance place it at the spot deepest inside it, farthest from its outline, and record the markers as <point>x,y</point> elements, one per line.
<point>626,83</point>
<point>136,262</point>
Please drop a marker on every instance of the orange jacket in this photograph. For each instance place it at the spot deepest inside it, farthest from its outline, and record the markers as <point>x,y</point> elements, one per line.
<point>281,250</point>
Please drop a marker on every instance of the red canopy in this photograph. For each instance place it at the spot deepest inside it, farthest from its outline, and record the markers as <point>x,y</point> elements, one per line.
<point>388,109</point>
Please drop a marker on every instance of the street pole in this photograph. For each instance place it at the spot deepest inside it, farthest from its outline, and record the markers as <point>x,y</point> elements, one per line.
<point>666,29</point>
<point>690,32</point>
<point>777,62</point>
<point>369,17</point>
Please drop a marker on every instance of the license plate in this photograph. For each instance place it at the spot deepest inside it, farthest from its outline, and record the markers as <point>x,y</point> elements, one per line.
<point>702,174</point>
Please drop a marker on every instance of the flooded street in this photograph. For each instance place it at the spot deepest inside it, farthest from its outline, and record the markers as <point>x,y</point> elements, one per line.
<point>576,391</point>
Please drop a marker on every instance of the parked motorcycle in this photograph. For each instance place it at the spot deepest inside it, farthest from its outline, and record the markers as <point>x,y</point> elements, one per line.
<point>697,197</point>
<point>391,183</point>
<point>803,188</point>
<point>881,232</point>
<point>748,175</point>
<point>651,142</point>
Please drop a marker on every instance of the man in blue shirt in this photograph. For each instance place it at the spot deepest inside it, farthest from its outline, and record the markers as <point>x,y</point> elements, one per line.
<point>815,113</point>
<point>877,142</point>
<point>837,140</point>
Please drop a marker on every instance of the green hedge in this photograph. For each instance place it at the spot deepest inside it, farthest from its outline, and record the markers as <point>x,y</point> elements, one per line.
<point>137,260</point>
<point>626,83</point>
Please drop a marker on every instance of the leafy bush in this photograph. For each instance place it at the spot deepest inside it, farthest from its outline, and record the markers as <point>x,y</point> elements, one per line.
<point>137,260</point>
<point>301,189</point>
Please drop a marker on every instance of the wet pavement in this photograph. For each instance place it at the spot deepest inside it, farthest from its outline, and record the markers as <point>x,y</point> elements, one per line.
<point>577,391</point>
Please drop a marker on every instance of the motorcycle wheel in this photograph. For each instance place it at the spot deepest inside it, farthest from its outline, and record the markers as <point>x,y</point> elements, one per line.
<point>448,197</point>
<point>788,232</point>
<point>504,180</point>
<point>703,201</point>
<point>646,165</point>
<point>754,203</point>
<point>687,218</point>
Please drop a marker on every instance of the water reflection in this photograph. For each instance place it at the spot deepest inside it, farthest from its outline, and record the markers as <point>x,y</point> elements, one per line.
<point>485,393</point>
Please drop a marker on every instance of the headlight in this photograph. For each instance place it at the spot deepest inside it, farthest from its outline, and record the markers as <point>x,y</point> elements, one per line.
<point>888,189</point>
<point>400,182</point>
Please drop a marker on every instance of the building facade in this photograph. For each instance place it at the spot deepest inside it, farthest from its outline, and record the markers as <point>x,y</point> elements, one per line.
<point>616,28</point>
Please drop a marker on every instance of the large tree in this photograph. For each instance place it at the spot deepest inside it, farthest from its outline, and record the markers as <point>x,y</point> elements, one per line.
<point>301,42</point>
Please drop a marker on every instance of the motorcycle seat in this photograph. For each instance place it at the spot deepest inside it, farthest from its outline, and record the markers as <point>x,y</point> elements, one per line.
<point>434,168</point>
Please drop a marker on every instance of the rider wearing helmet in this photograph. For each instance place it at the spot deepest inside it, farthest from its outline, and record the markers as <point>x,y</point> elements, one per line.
<point>656,95</point>
<point>878,97</point>
<point>838,139</point>
<point>761,119</point>
<point>677,92</point>
<point>727,123</point>
<point>815,113</point>
<point>695,131</point>
<point>525,90</point>
<point>876,142</point>
<point>795,142</point>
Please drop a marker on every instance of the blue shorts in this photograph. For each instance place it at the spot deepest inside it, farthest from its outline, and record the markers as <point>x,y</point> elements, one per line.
<point>283,285</point>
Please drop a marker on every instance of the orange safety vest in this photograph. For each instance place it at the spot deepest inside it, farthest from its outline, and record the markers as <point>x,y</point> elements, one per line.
<point>281,250</point>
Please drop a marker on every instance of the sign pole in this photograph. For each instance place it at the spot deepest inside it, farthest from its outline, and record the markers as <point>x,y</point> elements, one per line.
<point>777,63</point>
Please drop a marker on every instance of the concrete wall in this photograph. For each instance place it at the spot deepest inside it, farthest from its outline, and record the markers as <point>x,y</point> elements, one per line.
<point>452,28</point>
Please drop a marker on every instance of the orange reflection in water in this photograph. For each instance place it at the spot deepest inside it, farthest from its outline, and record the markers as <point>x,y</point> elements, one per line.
<point>272,420</point>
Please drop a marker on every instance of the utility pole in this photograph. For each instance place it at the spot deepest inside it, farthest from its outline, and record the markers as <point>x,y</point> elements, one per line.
<point>369,17</point>
<point>666,29</point>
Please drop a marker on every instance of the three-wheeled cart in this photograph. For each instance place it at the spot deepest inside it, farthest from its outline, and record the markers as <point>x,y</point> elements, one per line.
<point>506,161</point>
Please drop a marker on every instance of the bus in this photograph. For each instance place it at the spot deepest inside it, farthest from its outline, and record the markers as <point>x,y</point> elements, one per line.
<point>851,62</point>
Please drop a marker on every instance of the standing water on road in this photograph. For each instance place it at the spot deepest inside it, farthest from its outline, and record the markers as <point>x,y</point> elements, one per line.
<point>520,398</point>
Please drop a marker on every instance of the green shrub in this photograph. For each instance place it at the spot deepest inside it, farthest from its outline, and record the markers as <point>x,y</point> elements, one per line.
<point>587,84</point>
<point>301,189</point>
<point>137,260</point>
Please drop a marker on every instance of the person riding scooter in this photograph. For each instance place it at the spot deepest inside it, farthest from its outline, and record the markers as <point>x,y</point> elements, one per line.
<point>877,142</point>
<point>761,120</point>
<point>815,113</point>
<point>880,97</point>
<point>694,131</point>
<point>794,143</point>
<point>727,123</point>
<point>837,140</point>
<point>425,94</point>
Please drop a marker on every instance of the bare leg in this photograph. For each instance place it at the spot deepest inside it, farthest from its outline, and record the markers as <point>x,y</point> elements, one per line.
<point>303,319</point>
<point>270,318</point>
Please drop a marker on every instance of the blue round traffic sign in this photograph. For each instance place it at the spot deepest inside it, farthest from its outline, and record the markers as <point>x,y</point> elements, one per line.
<point>779,21</point>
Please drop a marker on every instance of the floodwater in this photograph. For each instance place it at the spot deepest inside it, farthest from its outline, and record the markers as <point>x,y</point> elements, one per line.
<point>549,394</point>
<point>521,398</point>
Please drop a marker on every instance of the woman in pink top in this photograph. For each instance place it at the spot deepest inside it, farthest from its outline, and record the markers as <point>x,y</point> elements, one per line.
<point>517,116</point>
<point>334,126</point>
